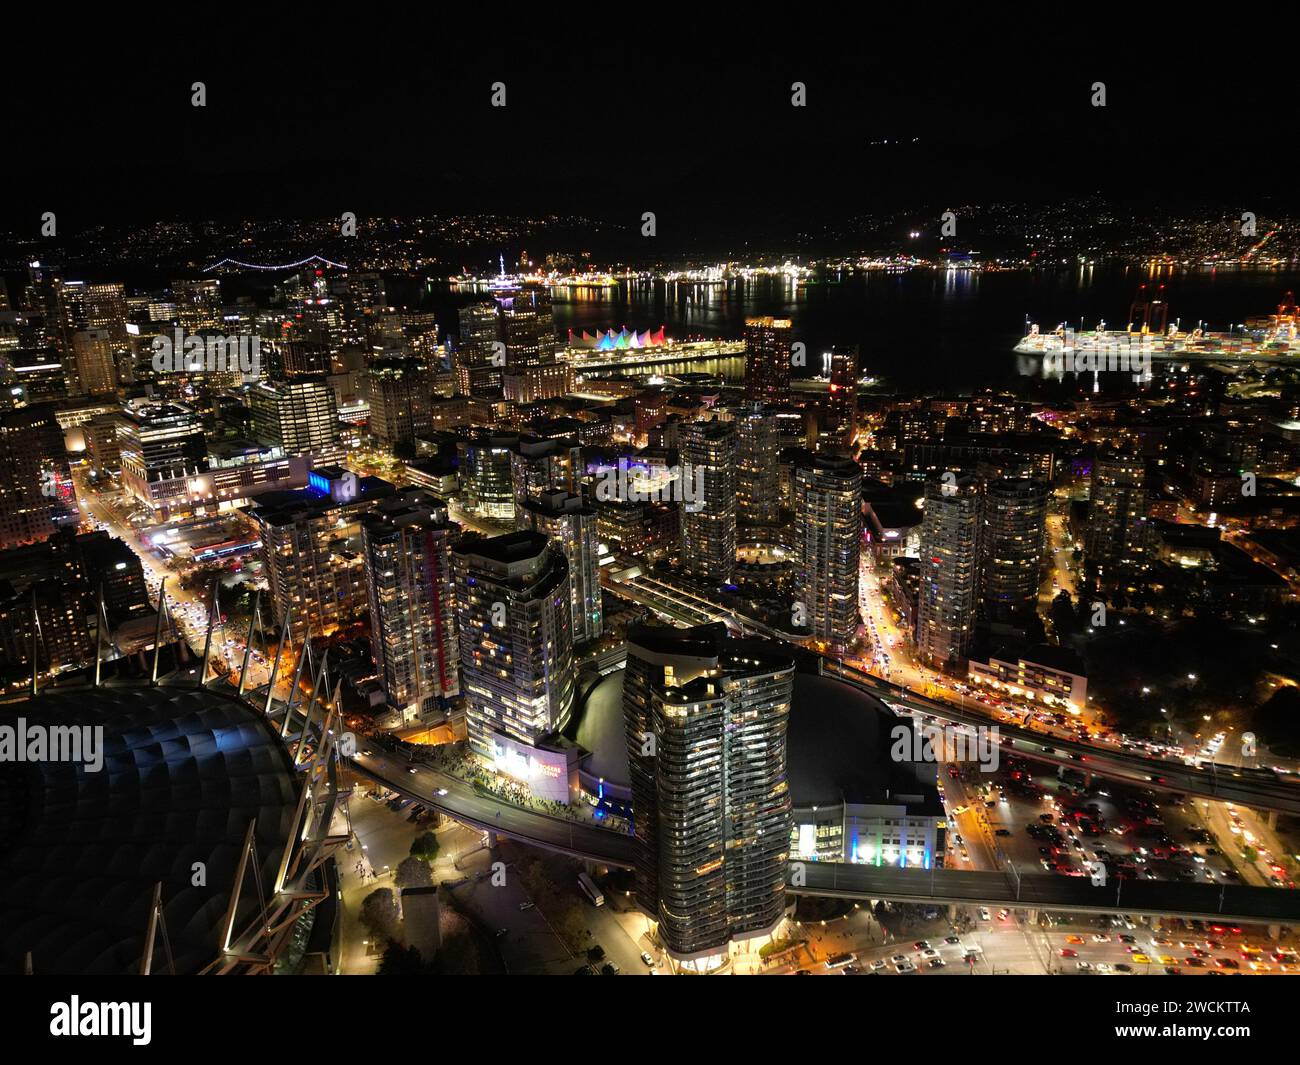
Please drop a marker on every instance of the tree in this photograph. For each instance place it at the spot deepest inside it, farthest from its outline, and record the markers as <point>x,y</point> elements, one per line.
<point>425,847</point>
<point>413,872</point>
<point>401,961</point>
<point>379,914</point>
<point>1278,721</point>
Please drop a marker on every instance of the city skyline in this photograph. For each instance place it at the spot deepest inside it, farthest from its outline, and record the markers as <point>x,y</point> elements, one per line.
<point>472,505</point>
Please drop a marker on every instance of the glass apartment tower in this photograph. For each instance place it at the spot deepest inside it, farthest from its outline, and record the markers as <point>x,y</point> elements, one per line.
<point>516,642</point>
<point>705,718</point>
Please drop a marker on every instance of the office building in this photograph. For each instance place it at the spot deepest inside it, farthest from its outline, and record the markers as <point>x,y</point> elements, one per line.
<point>198,303</point>
<point>510,336</point>
<point>35,487</point>
<point>95,367</point>
<point>486,476</point>
<point>163,450</point>
<point>540,465</point>
<point>300,416</point>
<point>840,410</point>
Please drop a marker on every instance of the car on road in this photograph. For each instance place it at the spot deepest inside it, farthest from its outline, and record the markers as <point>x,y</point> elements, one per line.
<point>526,905</point>
<point>984,914</point>
<point>440,792</point>
<point>904,966</point>
<point>609,969</point>
<point>648,958</point>
<point>1068,952</point>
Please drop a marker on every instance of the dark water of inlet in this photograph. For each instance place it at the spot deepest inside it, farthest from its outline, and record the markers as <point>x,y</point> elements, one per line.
<point>919,331</point>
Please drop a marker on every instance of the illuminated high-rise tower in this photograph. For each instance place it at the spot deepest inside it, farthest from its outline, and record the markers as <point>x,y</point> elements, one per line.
<point>758,477</point>
<point>767,359</point>
<point>1116,540</point>
<point>407,545</point>
<point>708,469</point>
<point>1013,526</point>
<point>705,718</point>
<point>516,641</point>
<point>33,475</point>
<point>300,416</point>
<point>401,400</point>
<point>840,413</point>
<point>950,557</point>
<point>511,333</point>
<point>92,355</point>
<point>571,526</point>
<point>828,537</point>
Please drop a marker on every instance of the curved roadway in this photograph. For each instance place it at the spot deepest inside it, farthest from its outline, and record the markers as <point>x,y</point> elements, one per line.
<point>1257,788</point>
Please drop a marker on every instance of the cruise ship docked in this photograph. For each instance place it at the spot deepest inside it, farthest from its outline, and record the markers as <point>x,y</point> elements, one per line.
<point>1263,338</point>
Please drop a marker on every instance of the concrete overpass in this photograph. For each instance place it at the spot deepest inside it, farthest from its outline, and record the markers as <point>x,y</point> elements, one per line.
<point>588,841</point>
<point>1072,894</point>
<point>482,810</point>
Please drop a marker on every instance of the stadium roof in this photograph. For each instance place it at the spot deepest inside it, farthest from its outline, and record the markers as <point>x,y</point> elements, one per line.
<point>184,772</point>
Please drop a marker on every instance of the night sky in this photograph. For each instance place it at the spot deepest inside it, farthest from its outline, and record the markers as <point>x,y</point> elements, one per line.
<point>374,115</point>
